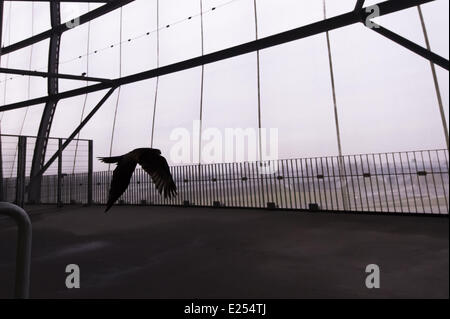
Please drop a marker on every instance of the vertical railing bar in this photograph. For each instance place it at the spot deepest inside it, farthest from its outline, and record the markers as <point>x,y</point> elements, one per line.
<point>418,180</point>
<point>426,182</point>
<point>58,200</point>
<point>240,185</point>
<point>217,176</point>
<point>192,185</point>
<point>330,187</point>
<point>412,182</point>
<point>353,183</point>
<point>341,162</point>
<point>282,183</point>
<point>398,184</point>
<point>294,179</point>
<point>224,184</point>
<point>315,177</point>
<point>390,182</point>
<point>442,180</point>
<point>236,197</point>
<point>335,184</point>
<point>404,182</point>
<point>364,180</point>
<point>310,171</point>
<point>243,185</point>
<point>307,183</point>
<point>90,171</point>
<point>359,183</point>
<point>255,182</point>
<point>249,177</point>
<point>324,184</point>
<point>372,191</point>
<point>434,182</point>
<point>229,186</point>
<point>277,183</point>
<point>196,178</point>
<point>288,169</point>
<point>257,172</point>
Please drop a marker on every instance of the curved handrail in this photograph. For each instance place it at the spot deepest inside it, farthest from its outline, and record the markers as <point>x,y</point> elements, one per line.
<point>23,256</point>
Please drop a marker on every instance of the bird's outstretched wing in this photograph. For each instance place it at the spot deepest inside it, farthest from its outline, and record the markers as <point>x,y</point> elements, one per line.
<point>156,166</point>
<point>120,181</point>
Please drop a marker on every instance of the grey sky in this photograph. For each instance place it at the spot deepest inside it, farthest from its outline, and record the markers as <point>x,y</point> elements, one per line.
<point>385,94</point>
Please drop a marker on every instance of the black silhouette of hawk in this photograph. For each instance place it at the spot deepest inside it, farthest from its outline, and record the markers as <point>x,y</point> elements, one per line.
<point>151,161</point>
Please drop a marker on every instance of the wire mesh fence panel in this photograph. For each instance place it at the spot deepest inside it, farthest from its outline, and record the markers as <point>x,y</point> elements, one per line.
<point>71,166</point>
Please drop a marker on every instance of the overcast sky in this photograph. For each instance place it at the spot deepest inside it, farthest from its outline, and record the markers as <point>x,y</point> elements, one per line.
<point>385,94</point>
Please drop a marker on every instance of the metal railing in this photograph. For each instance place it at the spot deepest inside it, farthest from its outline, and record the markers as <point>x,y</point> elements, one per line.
<point>402,182</point>
<point>398,182</point>
<point>16,165</point>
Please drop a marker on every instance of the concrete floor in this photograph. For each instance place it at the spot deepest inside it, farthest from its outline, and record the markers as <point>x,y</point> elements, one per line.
<point>150,252</point>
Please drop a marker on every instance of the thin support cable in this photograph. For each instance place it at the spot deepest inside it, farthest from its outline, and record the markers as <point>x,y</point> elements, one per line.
<point>435,79</point>
<point>202,82</point>
<point>258,70</point>
<point>157,78</point>
<point>336,113</point>
<point>118,93</point>
<point>87,84</point>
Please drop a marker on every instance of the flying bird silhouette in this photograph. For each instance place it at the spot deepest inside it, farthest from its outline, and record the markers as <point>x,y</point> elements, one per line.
<point>151,161</point>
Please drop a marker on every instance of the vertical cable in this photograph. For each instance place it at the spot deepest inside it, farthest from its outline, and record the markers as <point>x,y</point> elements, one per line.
<point>118,93</point>
<point>157,78</point>
<point>336,113</point>
<point>435,79</point>
<point>258,70</point>
<point>87,84</point>
<point>202,81</point>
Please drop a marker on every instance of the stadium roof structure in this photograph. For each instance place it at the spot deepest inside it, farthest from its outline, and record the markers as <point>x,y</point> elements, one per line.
<point>360,14</point>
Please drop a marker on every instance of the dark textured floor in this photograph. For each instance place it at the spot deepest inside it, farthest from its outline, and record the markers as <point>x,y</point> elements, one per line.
<point>150,252</point>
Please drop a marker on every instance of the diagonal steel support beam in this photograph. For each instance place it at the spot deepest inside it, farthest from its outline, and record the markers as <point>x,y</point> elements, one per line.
<point>59,29</point>
<point>75,133</point>
<point>53,75</point>
<point>359,5</point>
<point>427,54</point>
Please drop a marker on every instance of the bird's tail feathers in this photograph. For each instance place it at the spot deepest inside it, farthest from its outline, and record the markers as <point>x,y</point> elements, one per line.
<point>110,160</point>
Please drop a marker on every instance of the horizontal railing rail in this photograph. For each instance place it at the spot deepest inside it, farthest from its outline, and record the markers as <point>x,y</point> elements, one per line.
<point>401,182</point>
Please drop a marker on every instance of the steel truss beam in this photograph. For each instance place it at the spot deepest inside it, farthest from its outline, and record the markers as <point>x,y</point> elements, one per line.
<point>333,23</point>
<point>45,125</point>
<point>436,59</point>
<point>53,75</point>
<point>75,132</point>
<point>60,28</point>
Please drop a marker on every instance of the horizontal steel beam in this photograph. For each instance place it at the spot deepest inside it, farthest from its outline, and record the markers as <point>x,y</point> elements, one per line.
<point>333,23</point>
<point>53,75</point>
<point>89,16</point>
